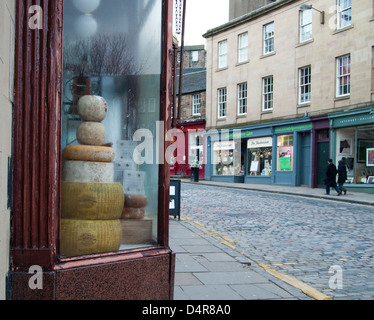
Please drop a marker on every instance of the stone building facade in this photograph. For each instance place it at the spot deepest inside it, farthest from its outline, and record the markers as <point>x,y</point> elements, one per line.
<point>301,79</point>
<point>241,7</point>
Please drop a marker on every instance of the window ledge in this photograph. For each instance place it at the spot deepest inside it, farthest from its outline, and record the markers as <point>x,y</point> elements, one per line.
<point>221,69</point>
<point>303,105</point>
<point>268,55</point>
<point>242,115</point>
<point>221,119</point>
<point>241,63</point>
<point>300,44</point>
<point>346,97</point>
<point>266,111</point>
<point>343,29</point>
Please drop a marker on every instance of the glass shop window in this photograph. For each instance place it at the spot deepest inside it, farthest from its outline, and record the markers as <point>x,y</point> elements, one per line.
<point>227,158</point>
<point>111,104</point>
<point>260,156</point>
<point>285,153</point>
<point>196,148</point>
<point>355,148</point>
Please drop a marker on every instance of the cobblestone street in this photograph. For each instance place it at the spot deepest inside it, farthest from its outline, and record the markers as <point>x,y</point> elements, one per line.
<point>297,236</point>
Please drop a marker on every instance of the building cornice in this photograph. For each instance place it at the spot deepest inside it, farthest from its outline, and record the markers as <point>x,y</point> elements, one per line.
<point>247,17</point>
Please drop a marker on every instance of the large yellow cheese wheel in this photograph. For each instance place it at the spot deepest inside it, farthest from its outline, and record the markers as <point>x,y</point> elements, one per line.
<point>92,108</point>
<point>135,201</point>
<point>87,171</point>
<point>91,201</point>
<point>82,237</point>
<point>91,133</point>
<point>89,153</point>
<point>133,213</point>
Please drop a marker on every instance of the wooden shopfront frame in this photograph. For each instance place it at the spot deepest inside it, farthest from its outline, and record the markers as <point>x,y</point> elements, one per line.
<point>37,178</point>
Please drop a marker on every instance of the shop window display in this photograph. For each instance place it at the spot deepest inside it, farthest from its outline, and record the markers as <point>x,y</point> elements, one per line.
<point>112,74</point>
<point>260,156</point>
<point>285,153</point>
<point>355,146</point>
<point>227,158</point>
<point>196,149</point>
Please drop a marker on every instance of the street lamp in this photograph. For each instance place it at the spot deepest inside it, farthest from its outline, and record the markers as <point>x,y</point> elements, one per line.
<point>308,7</point>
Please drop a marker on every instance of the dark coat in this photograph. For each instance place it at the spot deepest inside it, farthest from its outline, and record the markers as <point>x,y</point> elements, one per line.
<point>331,173</point>
<point>342,173</point>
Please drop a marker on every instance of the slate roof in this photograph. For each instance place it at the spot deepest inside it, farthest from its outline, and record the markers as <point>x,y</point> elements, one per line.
<point>194,80</point>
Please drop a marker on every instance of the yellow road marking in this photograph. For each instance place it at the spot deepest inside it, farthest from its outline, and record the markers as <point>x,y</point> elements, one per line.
<point>308,290</point>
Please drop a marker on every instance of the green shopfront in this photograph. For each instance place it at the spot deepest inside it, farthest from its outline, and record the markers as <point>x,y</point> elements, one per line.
<point>272,153</point>
<point>352,138</point>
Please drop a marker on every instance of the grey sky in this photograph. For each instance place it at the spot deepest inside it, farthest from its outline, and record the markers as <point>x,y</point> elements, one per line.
<point>202,15</point>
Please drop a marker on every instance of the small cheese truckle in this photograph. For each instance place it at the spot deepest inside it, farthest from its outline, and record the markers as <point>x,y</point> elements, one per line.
<point>92,108</point>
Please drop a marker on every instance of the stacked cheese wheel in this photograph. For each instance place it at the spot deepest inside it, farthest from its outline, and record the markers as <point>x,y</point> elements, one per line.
<point>91,203</point>
<point>134,207</point>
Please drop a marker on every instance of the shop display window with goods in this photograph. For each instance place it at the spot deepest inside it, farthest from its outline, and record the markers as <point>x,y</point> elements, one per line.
<point>285,153</point>
<point>355,146</point>
<point>227,158</point>
<point>260,156</point>
<point>111,88</point>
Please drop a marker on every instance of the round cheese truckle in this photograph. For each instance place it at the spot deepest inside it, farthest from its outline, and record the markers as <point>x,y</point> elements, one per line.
<point>86,171</point>
<point>91,133</point>
<point>82,237</point>
<point>92,108</point>
<point>133,213</point>
<point>89,153</point>
<point>91,201</point>
<point>135,201</point>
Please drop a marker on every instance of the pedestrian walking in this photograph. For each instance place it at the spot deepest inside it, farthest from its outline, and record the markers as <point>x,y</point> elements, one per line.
<point>342,175</point>
<point>330,180</point>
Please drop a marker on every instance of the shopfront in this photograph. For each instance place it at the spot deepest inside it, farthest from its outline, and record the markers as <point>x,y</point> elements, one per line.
<point>293,153</point>
<point>190,153</point>
<point>352,140</point>
<point>275,153</point>
<point>90,208</point>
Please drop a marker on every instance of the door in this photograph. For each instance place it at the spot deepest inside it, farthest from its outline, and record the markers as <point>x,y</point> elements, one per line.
<point>305,159</point>
<point>323,155</point>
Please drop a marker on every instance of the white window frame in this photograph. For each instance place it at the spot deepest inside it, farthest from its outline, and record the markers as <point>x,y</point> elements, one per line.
<point>243,47</point>
<point>195,56</point>
<point>242,98</point>
<point>306,25</point>
<point>196,105</point>
<point>343,76</point>
<point>268,38</point>
<point>344,8</point>
<point>222,102</point>
<point>305,84</point>
<point>222,54</point>
<point>267,93</point>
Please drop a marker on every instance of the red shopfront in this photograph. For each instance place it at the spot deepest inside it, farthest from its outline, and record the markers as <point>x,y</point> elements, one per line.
<point>191,152</point>
<point>115,54</point>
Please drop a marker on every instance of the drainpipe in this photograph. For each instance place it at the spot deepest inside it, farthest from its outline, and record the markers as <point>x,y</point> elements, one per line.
<point>181,65</point>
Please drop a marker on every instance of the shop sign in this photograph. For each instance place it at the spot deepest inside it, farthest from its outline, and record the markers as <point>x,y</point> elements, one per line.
<point>294,128</point>
<point>353,121</point>
<point>238,134</point>
<point>224,145</point>
<point>260,142</point>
